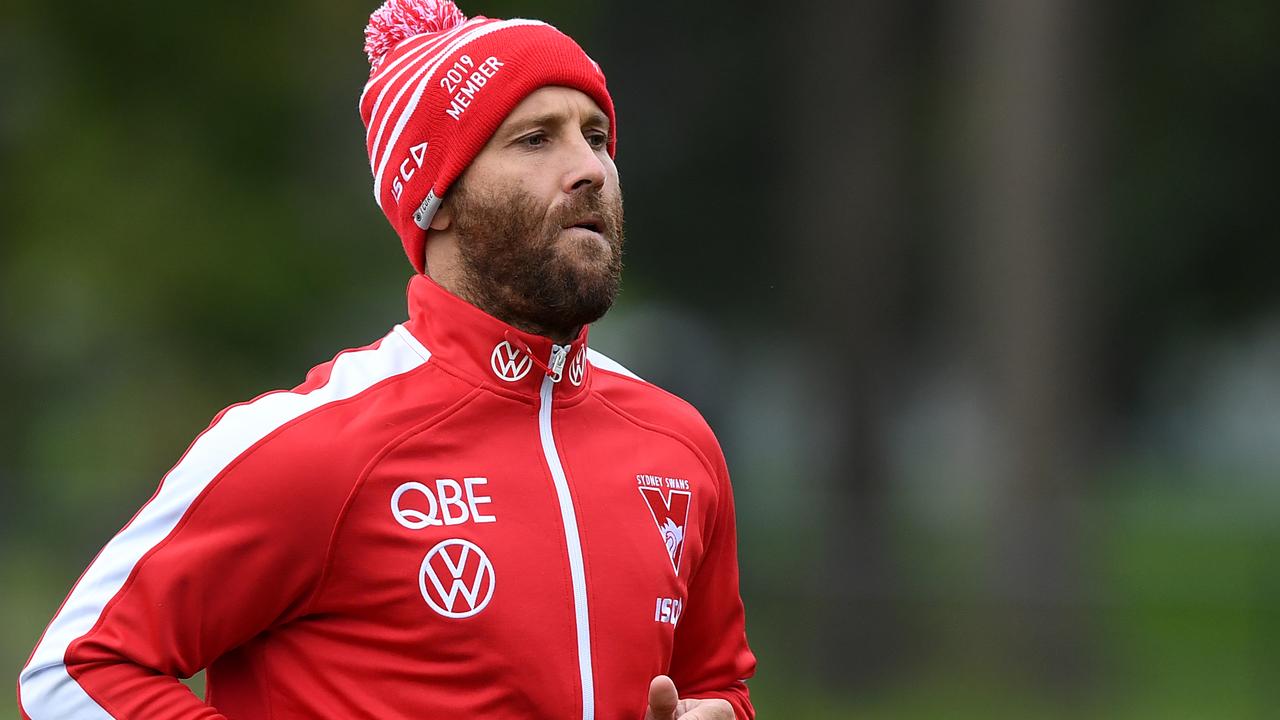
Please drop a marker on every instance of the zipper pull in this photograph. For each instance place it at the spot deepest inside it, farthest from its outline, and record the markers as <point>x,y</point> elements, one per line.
<point>558,356</point>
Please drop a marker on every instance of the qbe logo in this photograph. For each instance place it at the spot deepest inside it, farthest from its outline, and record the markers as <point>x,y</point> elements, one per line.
<point>456,578</point>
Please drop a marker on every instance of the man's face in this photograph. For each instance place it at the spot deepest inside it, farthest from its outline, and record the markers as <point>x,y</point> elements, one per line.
<point>538,216</point>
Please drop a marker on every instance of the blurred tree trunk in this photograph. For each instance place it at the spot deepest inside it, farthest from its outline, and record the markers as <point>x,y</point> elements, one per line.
<point>843,202</point>
<point>1028,225</point>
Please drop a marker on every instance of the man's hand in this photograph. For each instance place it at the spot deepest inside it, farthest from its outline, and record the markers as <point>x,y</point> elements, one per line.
<point>664,704</point>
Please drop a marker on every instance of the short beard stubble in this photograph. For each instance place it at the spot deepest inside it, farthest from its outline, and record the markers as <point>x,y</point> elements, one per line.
<point>515,266</point>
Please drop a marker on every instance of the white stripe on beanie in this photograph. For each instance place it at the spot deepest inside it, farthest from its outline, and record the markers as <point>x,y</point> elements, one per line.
<point>422,86</point>
<point>419,65</point>
<point>416,57</point>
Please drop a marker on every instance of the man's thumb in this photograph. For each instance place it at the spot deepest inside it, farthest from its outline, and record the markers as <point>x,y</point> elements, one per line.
<point>662,699</point>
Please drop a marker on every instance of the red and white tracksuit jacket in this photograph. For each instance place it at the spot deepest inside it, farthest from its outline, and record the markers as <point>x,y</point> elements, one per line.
<point>459,520</point>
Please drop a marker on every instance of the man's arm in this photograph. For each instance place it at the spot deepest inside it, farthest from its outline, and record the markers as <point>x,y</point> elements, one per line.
<point>235,541</point>
<point>710,658</point>
<point>232,543</point>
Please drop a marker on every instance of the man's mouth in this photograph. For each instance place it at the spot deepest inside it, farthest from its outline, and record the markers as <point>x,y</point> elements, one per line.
<point>591,223</point>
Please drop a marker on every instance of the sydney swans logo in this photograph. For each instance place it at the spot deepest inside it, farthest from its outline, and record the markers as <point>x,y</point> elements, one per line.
<point>670,510</point>
<point>456,578</point>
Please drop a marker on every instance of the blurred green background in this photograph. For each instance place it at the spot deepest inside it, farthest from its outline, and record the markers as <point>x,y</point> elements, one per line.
<point>980,298</point>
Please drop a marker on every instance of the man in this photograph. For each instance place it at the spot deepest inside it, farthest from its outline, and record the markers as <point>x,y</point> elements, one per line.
<point>475,516</point>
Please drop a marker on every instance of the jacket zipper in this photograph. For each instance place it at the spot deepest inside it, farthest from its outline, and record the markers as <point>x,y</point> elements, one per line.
<point>569,519</point>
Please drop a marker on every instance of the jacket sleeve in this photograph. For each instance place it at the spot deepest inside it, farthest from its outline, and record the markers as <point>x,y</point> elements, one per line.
<point>710,658</point>
<point>232,543</point>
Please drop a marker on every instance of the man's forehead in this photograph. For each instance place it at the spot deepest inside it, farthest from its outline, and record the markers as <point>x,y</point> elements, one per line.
<point>555,104</point>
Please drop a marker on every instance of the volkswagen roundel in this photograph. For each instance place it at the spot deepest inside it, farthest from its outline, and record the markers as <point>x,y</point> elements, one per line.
<point>456,578</point>
<point>509,363</point>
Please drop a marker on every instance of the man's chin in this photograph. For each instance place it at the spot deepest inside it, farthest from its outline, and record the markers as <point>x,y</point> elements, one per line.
<point>585,255</point>
<point>594,293</point>
<point>583,244</point>
<point>567,319</point>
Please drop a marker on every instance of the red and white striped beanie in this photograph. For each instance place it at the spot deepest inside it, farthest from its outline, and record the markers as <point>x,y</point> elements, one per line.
<point>440,86</point>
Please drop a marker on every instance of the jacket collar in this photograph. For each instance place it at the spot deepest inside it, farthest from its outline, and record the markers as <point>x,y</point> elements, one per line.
<point>489,350</point>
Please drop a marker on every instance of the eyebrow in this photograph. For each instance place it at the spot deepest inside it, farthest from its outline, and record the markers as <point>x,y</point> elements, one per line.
<point>556,120</point>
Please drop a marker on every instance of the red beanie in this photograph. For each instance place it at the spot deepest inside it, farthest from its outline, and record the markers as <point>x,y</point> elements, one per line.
<point>439,88</point>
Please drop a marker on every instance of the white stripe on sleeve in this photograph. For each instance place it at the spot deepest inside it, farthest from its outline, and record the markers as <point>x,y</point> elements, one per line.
<point>604,362</point>
<point>46,689</point>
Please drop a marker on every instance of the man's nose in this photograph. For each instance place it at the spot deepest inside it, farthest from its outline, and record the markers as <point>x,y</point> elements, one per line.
<point>586,169</point>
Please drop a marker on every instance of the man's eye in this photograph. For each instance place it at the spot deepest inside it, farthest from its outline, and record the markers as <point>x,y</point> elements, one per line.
<point>598,140</point>
<point>535,141</point>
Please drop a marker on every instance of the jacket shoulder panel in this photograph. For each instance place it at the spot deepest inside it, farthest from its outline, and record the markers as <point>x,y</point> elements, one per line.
<point>652,404</point>
<point>296,422</point>
<point>604,362</point>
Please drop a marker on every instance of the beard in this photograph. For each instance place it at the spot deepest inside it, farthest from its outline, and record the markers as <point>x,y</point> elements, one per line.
<point>519,265</point>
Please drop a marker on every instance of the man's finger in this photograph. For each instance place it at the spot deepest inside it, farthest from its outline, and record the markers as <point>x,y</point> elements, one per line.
<point>662,699</point>
<point>705,710</point>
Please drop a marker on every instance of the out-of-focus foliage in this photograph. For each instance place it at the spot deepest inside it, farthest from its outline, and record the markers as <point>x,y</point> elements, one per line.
<point>822,256</point>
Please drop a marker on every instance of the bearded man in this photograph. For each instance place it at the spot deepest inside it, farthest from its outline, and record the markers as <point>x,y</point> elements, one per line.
<point>474,516</point>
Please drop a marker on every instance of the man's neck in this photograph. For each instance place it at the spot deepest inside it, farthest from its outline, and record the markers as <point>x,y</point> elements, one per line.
<point>482,298</point>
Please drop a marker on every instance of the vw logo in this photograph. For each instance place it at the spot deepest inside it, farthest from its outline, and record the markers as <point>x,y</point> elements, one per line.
<point>578,367</point>
<point>456,578</point>
<point>509,363</point>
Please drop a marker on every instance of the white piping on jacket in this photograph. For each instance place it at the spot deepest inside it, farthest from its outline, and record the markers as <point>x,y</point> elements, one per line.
<point>46,689</point>
<point>569,518</point>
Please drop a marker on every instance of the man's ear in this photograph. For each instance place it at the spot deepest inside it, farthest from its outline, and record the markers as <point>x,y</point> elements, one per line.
<point>443,217</point>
